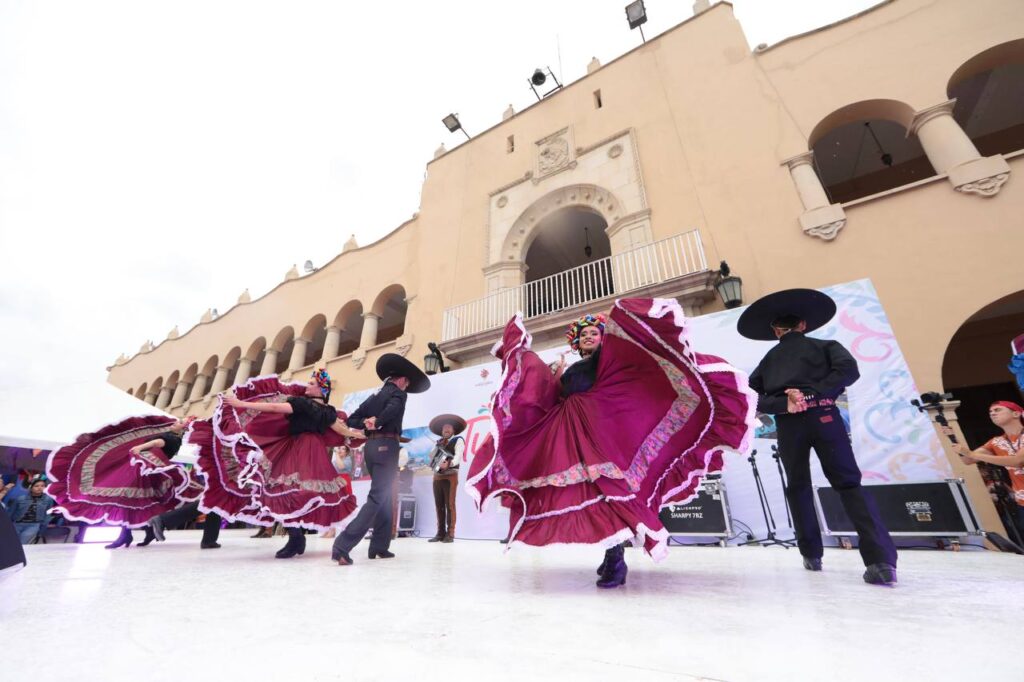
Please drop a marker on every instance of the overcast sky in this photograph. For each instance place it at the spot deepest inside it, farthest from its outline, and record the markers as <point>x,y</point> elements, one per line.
<point>158,158</point>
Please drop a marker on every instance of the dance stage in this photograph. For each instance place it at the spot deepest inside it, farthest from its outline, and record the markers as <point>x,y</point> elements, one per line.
<point>172,611</point>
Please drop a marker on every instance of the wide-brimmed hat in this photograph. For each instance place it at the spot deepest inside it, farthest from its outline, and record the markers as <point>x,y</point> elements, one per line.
<point>394,365</point>
<point>810,305</point>
<point>438,422</point>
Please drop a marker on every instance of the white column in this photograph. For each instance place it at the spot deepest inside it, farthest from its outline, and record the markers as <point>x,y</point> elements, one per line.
<point>180,391</point>
<point>199,387</point>
<point>150,398</point>
<point>820,218</point>
<point>298,358</point>
<point>951,151</point>
<point>269,362</point>
<point>164,399</point>
<point>368,339</point>
<point>220,380</point>
<point>331,344</point>
<point>244,371</point>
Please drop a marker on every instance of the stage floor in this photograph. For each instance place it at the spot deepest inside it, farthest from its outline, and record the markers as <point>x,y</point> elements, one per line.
<point>171,611</point>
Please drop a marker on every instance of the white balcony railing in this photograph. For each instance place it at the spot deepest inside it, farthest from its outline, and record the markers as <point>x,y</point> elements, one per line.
<point>616,275</point>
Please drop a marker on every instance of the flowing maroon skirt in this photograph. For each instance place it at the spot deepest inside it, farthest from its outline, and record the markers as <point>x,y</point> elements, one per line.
<point>97,480</point>
<point>257,472</point>
<point>597,467</point>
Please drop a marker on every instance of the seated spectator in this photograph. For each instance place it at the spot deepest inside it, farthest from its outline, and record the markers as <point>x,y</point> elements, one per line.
<point>31,513</point>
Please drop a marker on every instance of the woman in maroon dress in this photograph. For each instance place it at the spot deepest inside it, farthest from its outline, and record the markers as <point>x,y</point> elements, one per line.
<point>591,454</point>
<point>122,474</point>
<point>266,456</point>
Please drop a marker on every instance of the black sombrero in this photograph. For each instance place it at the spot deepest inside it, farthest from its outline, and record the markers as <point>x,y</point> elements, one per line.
<point>438,422</point>
<point>810,305</point>
<point>394,365</point>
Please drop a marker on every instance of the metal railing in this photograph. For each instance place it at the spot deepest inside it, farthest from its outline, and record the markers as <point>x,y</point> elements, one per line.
<point>616,275</point>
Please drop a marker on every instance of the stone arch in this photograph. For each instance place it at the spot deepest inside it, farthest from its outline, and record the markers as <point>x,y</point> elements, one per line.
<point>255,355</point>
<point>592,198</point>
<point>391,306</point>
<point>156,385</point>
<point>989,93</point>
<point>349,321</point>
<point>231,362</point>
<point>865,148</point>
<point>315,332</point>
<point>189,376</point>
<point>140,392</point>
<point>283,344</point>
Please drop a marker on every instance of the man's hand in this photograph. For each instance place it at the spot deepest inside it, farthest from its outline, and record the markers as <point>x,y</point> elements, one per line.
<point>135,450</point>
<point>444,465</point>
<point>370,424</point>
<point>795,401</point>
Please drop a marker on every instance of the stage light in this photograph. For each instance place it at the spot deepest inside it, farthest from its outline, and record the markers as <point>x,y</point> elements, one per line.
<point>636,15</point>
<point>729,288</point>
<point>308,267</point>
<point>539,78</point>
<point>452,123</point>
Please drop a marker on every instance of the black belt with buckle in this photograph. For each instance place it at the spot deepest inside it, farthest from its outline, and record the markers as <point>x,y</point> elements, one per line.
<point>374,435</point>
<point>819,402</point>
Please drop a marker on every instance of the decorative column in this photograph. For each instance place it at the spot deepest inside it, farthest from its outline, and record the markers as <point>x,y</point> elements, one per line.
<point>244,371</point>
<point>951,151</point>
<point>150,398</point>
<point>220,380</point>
<point>199,387</point>
<point>269,362</point>
<point>298,358</point>
<point>368,339</point>
<point>164,399</point>
<point>331,344</point>
<point>988,517</point>
<point>820,218</point>
<point>180,391</point>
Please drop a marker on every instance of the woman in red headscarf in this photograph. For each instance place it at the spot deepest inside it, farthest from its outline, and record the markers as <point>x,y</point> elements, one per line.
<point>589,454</point>
<point>1006,450</point>
<point>266,457</point>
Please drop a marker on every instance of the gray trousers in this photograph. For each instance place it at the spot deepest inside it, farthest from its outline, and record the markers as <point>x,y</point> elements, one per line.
<point>381,457</point>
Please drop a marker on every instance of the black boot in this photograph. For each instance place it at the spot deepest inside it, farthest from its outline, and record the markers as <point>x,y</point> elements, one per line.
<point>296,544</point>
<point>880,574</point>
<point>615,569</point>
<point>123,540</point>
<point>604,562</point>
<point>150,537</point>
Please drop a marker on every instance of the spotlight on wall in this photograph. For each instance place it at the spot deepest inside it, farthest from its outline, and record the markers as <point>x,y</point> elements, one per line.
<point>636,15</point>
<point>309,267</point>
<point>729,288</point>
<point>433,362</point>
<point>452,123</point>
<point>539,78</point>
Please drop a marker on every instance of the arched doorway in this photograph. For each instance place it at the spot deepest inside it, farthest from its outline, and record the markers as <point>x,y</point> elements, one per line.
<point>568,261</point>
<point>974,368</point>
<point>989,94</point>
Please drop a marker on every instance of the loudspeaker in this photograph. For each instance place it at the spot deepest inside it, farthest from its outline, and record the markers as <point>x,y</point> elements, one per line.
<point>406,513</point>
<point>920,509</point>
<point>707,514</point>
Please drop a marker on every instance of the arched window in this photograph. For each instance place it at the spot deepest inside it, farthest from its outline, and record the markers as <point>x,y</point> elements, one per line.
<point>391,307</point>
<point>350,321</point>
<point>863,149</point>
<point>989,93</point>
<point>283,344</point>
<point>315,331</point>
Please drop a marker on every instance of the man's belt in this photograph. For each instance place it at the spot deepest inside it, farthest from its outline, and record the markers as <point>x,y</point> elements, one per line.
<point>819,402</point>
<point>376,435</point>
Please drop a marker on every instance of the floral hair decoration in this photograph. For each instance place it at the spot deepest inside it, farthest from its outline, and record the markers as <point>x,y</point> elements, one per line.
<point>572,335</point>
<point>323,380</point>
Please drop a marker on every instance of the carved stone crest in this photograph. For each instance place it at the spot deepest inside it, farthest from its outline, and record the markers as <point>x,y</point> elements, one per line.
<point>555,153</point>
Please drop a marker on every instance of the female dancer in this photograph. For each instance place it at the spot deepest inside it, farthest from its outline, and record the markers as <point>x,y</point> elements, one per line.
<point>266,457</point>
<point>590,454</point>
<point>122,474</point>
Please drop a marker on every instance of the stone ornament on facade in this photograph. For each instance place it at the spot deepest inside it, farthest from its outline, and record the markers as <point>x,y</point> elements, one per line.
<point>615,151</point>
<point>986,187</point>
<point>555,152</point>
<point>502,201</point>
<point>404,344</point>
<point>828,232</point>
<point>358,357</point>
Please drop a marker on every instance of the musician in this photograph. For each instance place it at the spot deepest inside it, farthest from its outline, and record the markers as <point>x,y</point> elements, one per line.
<point>380,416</point>
<point>798,381</point>
<point>447,454</point>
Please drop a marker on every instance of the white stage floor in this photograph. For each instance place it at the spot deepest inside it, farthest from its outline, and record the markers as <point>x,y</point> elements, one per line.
<point>465,611</point>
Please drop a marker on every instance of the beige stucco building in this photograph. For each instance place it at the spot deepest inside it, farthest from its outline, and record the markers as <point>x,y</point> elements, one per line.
<point>883,146</point>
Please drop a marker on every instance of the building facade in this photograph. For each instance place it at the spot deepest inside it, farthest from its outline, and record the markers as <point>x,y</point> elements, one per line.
<point>883,146</point>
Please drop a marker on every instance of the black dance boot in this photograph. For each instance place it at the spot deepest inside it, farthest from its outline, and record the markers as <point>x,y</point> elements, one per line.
<point>150,537</point>
<point>880,574</point>
<point>604,562</point>
<point>123,540</point>
<point>296,544</point>
<point>615,569</point>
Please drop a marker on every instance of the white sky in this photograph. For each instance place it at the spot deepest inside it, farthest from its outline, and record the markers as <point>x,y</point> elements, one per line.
<point>158,158</point>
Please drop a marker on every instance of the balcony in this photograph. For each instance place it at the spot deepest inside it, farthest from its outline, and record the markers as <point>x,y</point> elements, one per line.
<point>673,267</point>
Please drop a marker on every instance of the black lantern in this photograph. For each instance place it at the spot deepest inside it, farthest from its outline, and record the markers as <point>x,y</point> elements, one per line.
<point>729,288</point>
<point>433,362</point>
